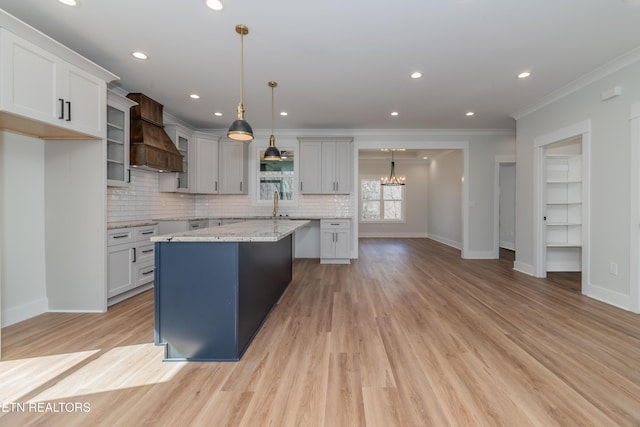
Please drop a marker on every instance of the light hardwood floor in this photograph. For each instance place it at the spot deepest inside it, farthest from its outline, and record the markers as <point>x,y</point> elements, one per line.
<point>408,335</point>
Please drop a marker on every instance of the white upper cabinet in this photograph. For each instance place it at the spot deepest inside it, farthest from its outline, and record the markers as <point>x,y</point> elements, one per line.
<point>179,182</point>
<point>118,117</point>
<point>233,168</point>
<point>311,167</point>
<point>325,165</point>
<point>38,85</point>
<point>204,163</point>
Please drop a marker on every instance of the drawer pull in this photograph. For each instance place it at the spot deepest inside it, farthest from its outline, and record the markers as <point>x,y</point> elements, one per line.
<point>147,232</point>
<point>120,236</point>
<point>147,251</point>
<point>145,273</point>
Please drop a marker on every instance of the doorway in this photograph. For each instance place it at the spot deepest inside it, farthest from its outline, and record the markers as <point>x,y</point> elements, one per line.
<point>561,178</point>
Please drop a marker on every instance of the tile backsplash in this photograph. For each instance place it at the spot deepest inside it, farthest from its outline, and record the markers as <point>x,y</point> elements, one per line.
<point>142,201</point>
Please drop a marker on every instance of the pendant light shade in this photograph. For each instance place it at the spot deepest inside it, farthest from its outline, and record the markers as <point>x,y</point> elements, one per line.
<point>240,130</point>
<point>392,180</point>
<point>272,153</point>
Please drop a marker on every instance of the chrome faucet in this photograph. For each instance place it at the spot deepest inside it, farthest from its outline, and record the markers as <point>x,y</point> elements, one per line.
<point>276,196</point>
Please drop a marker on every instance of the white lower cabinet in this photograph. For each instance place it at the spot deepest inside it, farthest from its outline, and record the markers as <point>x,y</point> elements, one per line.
<point>130,260</point>
<point>335,241</point>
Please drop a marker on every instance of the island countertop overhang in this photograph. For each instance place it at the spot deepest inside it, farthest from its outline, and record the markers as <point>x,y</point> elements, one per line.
<point>249,231</point>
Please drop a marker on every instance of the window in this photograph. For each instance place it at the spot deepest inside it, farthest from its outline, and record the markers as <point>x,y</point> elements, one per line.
<point>381,203</point>
<point>276,176</point>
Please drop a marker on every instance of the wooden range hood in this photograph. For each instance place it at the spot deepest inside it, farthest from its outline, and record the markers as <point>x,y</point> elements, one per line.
<point>151,147</point>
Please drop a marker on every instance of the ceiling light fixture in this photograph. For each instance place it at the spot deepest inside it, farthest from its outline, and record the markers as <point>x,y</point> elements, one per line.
<point>391,180</point>
<point>240,130</point>
<point>394,113</point>
<point>272,153</point>
<point>139,55</point>
<point>416,75</point>
<point>194,96</point>
<point>69,2</point>
<point>469,113</point>
<point>214,4</point>
<point>524,74</point>
<point>284,113</point>
<point>217,114</point>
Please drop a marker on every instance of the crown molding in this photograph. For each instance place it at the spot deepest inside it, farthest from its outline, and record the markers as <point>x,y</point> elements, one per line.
<point>607,69</point>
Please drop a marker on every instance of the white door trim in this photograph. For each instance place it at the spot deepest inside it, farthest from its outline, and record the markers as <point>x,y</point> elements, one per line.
<point>634,226</point>
<point>499,161</point>
<point>581,129</point>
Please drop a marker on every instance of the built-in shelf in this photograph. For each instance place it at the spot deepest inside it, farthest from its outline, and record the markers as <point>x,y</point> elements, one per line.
<point>563,218</point>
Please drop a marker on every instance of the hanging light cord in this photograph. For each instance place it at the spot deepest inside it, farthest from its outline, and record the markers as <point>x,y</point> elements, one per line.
<point>273,114</point>
<point>241,64</point>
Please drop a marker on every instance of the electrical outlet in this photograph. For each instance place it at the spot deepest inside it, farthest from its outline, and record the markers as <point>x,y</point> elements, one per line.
<point>613,268</point>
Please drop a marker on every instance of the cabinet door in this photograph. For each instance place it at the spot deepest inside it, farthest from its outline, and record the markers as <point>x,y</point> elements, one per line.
<point>327,243</point>
<point>328,167</point>
<point>233,168</point>
<point>342,244</point>
<point>30,77</point>
<point>84,101</point>
<point>310,167</point>
<point>343,167</point>
<point>204,165</point>
<point>119,269</point>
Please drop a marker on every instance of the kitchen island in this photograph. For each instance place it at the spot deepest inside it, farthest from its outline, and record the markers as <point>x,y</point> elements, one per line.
<point>214,287</point>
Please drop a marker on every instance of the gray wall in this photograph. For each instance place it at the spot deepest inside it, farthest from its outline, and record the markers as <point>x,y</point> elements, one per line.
<point>610,182</point>
<point>415,224</point>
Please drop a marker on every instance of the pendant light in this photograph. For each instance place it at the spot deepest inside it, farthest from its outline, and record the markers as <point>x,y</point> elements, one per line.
<point>272,153</point>
<point>391,180</point>
<point>240,130</point>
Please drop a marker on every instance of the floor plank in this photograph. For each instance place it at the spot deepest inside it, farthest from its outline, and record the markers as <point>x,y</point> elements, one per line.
<point>409,334</point>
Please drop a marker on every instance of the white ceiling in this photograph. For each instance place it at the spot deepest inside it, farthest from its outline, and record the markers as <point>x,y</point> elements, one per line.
<point>344,64</point>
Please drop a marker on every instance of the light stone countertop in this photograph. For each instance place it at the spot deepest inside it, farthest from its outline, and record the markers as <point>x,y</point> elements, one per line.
<point>128,224</point>
<point>248,231</point>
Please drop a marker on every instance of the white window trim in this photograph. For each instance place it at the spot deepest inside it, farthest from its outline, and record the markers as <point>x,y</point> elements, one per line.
<point>254,177</point>
<point>380,221</point>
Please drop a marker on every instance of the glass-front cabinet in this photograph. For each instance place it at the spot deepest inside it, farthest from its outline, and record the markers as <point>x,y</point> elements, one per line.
<point>277,177</point>
<point>118,108</point>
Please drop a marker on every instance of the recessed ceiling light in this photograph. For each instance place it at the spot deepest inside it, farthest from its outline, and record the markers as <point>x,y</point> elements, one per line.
<point>394,113</point>
<point>416,75</point>
<point>69,2</point>
<point>194,96</point>
<point>217,113</point>
<point>469,113</point>
<point>139,55</point>
<point>524,74</point>
<point>425,158</point>
<point>284,113</point>
<point>214,4</point>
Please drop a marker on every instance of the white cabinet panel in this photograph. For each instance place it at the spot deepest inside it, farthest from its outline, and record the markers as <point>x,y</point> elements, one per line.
<point>130,259</point>
<point>325,165</point>
<point>233,167</point>
<point>335,241</point>
<point>40,86</point>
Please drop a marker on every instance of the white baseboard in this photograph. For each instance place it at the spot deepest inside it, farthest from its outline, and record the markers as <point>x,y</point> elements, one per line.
<point>446,241</point>
<point>525,268</point>
<point>393,235</point>
<point>14,315</point>
<point>508,245</point>
<point>480,255</point>
<point>123,296</point>
<point>610,297</point>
